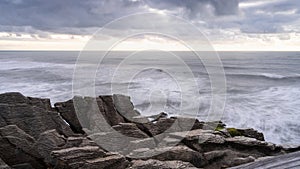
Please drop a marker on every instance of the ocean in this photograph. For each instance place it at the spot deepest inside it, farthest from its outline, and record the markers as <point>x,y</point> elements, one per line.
<point>263,88</point>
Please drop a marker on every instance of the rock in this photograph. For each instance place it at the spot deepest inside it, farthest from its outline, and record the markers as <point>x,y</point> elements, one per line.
<point>291,160</point>
<point>142,143</point>
<point>16,147</point>
<point>110,111</point>
<point>157,128</point>
<point>16,109</point>
<point>48,141</point>
<point>242,142</point>
<point>290,147</point>
<point>201,136</point>
<point>3,165</point>
<point>88,157</point>
<point>76,156</point>
<point>86,111</point>
<point>113,161</point>
<point>155,118</point>
<point>67,111</point>
<point>226,158</point>
<point>126,109</point>
<point>239,161</point>
<point>130,130</point>
<point>42,103</point>
<point>156,164</point>
<point>252,134</point>
<point>212,155</point>
<point>173,124</point>
<point>181,153</point>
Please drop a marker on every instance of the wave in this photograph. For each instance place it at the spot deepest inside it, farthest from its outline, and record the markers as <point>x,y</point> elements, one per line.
<point>267,76</point>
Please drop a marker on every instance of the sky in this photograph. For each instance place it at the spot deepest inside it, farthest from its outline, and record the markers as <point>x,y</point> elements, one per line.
<point>229,25</point>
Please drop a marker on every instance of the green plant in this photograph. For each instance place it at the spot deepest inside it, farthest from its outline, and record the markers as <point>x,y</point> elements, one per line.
<point>233,132</point>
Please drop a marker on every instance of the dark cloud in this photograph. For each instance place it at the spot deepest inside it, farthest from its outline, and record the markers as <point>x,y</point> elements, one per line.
<point>84,16</point>
<point>58,15</point>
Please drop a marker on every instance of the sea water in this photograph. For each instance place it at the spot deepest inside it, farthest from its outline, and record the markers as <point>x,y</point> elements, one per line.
<point>263,88</point>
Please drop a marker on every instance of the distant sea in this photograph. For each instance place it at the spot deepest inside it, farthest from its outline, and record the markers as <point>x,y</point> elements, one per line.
<point>263,88</point>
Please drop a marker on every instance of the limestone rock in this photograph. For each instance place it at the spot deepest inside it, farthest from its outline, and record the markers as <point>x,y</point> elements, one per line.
<point>16,147</point>
<point>242,142</point>
<point>252,134</point>
<point>181,153</point>
<point>16,109</point>
<point>125,107</point>
<point>156,164</point>
<point>88,157</point>
<point>130,130</point>
<point>47,142</point>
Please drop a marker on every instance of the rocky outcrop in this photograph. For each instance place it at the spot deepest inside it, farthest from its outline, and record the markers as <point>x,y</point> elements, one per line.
<point>291,160</point>
<point>156,164</point>
<point>73,135</point>
<point>16,109</point>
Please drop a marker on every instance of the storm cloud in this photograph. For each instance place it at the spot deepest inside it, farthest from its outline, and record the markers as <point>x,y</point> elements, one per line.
<point>62,16</point>
<point>84,17</point>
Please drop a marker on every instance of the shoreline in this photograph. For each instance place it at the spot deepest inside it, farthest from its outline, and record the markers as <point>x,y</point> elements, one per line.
<point>38,135</point>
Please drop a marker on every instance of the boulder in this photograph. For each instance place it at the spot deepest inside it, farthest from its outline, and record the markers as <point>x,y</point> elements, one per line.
<point>16,109</point>
<point>156,164</point>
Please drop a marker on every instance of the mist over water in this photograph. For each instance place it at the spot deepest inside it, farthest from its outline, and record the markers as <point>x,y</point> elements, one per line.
<point>263,88</point>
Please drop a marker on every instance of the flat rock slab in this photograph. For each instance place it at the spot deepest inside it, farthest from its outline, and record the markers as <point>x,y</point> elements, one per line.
<point>287,161</point>
<point>156,164</point>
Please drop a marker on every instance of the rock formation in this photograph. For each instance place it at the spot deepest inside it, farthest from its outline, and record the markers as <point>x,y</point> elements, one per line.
<point>35,135</point>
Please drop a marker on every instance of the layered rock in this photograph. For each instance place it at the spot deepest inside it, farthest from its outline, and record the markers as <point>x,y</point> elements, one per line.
<point>107,132</point>
<point>30,115</point>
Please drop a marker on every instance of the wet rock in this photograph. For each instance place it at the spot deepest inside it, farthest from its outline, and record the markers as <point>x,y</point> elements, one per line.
<point>156,164</point>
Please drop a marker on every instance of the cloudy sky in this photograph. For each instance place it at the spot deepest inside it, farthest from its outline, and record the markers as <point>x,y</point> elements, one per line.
<point>232,25</point>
